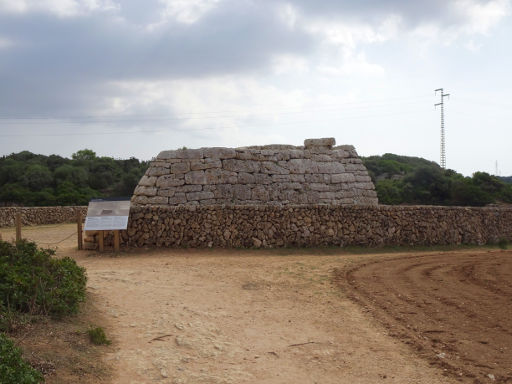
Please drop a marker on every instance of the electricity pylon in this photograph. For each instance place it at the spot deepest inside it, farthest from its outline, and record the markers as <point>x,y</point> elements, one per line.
<point>443,153</point>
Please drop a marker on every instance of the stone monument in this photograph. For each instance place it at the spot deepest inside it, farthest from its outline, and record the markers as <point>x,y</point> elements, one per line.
<point>317,173</point>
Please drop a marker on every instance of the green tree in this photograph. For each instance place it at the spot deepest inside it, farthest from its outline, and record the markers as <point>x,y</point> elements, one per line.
<point>37,177</point>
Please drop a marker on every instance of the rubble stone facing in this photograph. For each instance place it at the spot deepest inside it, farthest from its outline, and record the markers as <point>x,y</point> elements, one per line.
<point>315,225</point>
<point>317,173</point>
<point>39,215</point>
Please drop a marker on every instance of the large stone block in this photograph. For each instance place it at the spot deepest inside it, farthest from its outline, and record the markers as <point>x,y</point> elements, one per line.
<point>343,178</point>
<point>207,163</point>
<point>157,171</point>
<point>328,142</point>
<point>181,154</point>
<point>195,177</point>
<point>167,181</point>
<point>147,181</point>
<point>295,165</point>
<point>246,178</point>
<point>191,196</point>
<point>220,176</point>
<point>182,167</point>
<point>219,153</point>
<point>236,165</point>
<point>242,192</point>
<point>330,167</point>
<point>272,168</point>
<point>146,191</point>
<point>260,193</point>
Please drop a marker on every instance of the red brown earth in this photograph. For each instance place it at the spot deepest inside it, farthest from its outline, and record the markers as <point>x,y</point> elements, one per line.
<point>455,310</point>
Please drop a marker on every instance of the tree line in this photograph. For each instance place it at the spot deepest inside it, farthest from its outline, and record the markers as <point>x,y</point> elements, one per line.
<point>413,180</point>
<point>36,180</point>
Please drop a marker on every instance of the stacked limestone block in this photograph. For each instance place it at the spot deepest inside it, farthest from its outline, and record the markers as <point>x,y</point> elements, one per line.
<point>317,173</point>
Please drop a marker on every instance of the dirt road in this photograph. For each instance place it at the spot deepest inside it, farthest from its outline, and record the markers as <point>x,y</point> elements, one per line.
<point>187,316</point>
<point>455,310</point>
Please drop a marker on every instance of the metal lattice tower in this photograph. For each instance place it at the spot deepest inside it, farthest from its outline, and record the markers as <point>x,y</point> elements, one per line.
<point>443,153</point>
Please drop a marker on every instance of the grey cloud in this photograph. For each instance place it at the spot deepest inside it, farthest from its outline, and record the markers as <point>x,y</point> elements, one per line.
<point>58,62</point>
<point>59,65</point>
<point>412,12</point>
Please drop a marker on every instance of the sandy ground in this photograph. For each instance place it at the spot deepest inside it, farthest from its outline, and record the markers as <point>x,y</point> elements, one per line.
<point>237,316</point>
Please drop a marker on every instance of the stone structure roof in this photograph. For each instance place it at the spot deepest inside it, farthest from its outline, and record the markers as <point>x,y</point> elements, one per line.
<point>316,173</point>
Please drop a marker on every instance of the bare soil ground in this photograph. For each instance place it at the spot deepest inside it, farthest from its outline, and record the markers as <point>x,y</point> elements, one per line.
<point>242,316</point>
<point>455,310</point>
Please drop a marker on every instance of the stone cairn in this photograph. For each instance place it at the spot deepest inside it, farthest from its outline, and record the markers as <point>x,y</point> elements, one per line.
<point>316,173</point>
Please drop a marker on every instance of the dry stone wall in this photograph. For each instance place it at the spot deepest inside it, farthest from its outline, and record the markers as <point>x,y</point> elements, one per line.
<point>317,173</point>
<point>317,225</point>
<point>39,215</point>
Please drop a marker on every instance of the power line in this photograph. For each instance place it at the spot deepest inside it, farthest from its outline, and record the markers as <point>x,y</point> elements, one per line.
<point>443,152</point>
<point>351,105</point>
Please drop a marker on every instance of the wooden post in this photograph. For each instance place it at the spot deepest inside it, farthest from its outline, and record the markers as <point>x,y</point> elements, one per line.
<point>100,240</point>
<point>18,226</point>
<point>79,229</point>
<point>116,240</point>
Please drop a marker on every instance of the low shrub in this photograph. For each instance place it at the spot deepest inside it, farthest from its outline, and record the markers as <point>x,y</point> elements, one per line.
<point>98,336</point>
<point>32,281</point>
<point>503,244</point>
<point>13,369</point>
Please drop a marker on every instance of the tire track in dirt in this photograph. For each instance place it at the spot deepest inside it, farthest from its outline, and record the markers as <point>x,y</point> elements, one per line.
<point>454,309</point>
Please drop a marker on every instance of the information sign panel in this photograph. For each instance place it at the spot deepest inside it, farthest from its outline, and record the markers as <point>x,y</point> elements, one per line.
<point>107,215</point>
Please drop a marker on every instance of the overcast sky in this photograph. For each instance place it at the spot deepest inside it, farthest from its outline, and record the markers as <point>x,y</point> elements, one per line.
<point>131,78</point>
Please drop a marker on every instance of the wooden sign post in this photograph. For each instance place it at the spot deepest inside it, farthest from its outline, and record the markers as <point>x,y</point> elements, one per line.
<point>79,229</point>
<point>116,240</point>
<point>100,240</point>
<point>18,226</point>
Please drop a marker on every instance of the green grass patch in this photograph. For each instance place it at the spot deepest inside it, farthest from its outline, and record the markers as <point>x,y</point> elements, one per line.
<point>97,336</point>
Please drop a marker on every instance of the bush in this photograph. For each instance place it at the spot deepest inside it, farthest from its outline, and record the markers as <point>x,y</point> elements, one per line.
<point>98,336</point>
<point>13,369</point>
<point>503,244</point>
<point>32,281</point>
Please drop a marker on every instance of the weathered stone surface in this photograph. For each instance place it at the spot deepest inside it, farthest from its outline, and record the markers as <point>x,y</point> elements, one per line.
<point>189,188</point>
<point>328,142</point>
<point>157,171</point>
<point>219,153</point>
<point>242,192</point>
<point>311,225</point>
<point>178,198</point>
<point>330,167</point>
<point>194,196</point>
<point>260,193</point>
<point>167,192</point>
<point>146,191</point>
<point>167,181</point>
<point>273,168</point>
<point>343,178</point>
<point>158,200</point>
<point>272,174</point>
<point>181,154</point>
<point>39,215</point>
<point>197,165</point>
<point>236,165</point>
<point>183,167</point>
<point>246,178</point>
<point>195,177</point>
<point>147,181</point>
